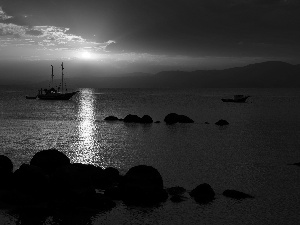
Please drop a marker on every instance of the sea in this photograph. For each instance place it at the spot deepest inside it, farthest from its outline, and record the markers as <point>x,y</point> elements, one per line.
<point>253,154</point>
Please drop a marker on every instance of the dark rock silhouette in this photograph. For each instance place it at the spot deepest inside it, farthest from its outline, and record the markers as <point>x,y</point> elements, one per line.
<point>203,193</point>
<point>236,194</point>
<point>221,122</point>
<point>177,198</point>
<point>175,190</point>
<point>142,185</point>
<point>6,169</point>
<point>132,119</point>
<point>31,182</point>
<point>94,173</point>
<point>6,165</point>
<point>136,119</point>
<point>111,118</point>
<point>295,164</point>
<point>175,118</point>
<point>146,119</point>
<point>49,160</point>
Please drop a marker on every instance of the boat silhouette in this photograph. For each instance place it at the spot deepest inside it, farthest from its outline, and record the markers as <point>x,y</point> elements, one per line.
<point>236,98</point>
<point>53,93</point>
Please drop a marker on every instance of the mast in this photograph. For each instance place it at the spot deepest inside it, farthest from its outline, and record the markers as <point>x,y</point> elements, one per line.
<point>52,77</point>
<point>62,77</point>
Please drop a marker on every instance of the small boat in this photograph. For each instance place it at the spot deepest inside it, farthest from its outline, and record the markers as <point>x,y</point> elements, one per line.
<point>236,98</point>
<point>55,94</point>
<point>31,97</point>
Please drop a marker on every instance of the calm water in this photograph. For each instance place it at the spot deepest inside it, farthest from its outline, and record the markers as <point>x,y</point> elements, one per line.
<point>249,155</point>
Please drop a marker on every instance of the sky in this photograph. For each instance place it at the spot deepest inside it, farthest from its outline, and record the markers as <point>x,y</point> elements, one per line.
<point>103,37</point>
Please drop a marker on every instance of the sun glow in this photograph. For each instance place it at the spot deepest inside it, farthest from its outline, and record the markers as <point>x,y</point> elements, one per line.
<point>86,55</point>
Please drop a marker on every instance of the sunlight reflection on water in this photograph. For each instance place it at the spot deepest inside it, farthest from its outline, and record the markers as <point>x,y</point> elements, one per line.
<point>85,151</point>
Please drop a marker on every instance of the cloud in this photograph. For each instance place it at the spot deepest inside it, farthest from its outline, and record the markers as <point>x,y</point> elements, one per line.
<point>34,32</point>
<point>3,15</point>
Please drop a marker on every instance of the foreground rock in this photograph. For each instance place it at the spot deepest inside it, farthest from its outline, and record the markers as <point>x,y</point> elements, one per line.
<point>31,183</point>
<point>236,194</point>
<point>142,185</point>
<point>6,169</point>
<point>49,160</point>
<point>221,122</point>
<point>175,118</point>
<point>203,193</point>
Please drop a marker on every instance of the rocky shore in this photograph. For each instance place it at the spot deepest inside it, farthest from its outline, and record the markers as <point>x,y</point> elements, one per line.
<point>50,181</point>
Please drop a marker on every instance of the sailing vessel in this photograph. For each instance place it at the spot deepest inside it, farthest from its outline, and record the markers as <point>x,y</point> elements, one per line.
<point>55,94</point>
<point>236,98</point>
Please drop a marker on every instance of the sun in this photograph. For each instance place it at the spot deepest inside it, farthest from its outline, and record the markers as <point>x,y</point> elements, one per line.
<point>86,55</point>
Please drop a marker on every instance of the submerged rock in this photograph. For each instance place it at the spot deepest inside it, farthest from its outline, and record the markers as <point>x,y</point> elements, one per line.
<point>175,118</point>
<point>236,194</point>
<point>203,193</point>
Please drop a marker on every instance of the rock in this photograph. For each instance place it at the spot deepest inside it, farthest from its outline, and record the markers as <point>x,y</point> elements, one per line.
<point>132,119</point>
<point>31,180</point>
<point>175,118</point>
<point>6,169</point>
<point>114,193</point>
<point>111,118</point>
<point>222,122</point>
<point>157,121</point>
<point>94,173</point>
<point>142,185</point>
<point>146,119</point>
<point>295,164</point>
<point>6,165</point>
<point>203,193</point>
<point>176,190</point>
<point>49,160</point>
<point>177,198</point>
<point>236,194</point>
<point>71,184</point>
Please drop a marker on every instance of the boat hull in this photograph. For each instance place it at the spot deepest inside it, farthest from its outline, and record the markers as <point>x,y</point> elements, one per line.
<point>56,96</point>
<point>242,100</point>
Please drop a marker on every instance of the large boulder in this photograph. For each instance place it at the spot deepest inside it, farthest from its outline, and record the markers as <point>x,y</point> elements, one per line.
<point>142,185</point>
<point>236,194</point>
<point>49,160</point>
<point>6,165</point>
<point>31,181</point>
<point>175,118</point>
<point>6,169</point>
<point>203,193</point>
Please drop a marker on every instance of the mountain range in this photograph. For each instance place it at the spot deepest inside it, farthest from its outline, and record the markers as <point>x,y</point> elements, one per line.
<point>270,74</point>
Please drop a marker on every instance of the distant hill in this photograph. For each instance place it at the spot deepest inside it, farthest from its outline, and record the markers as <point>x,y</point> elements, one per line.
<point>272,74</point>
